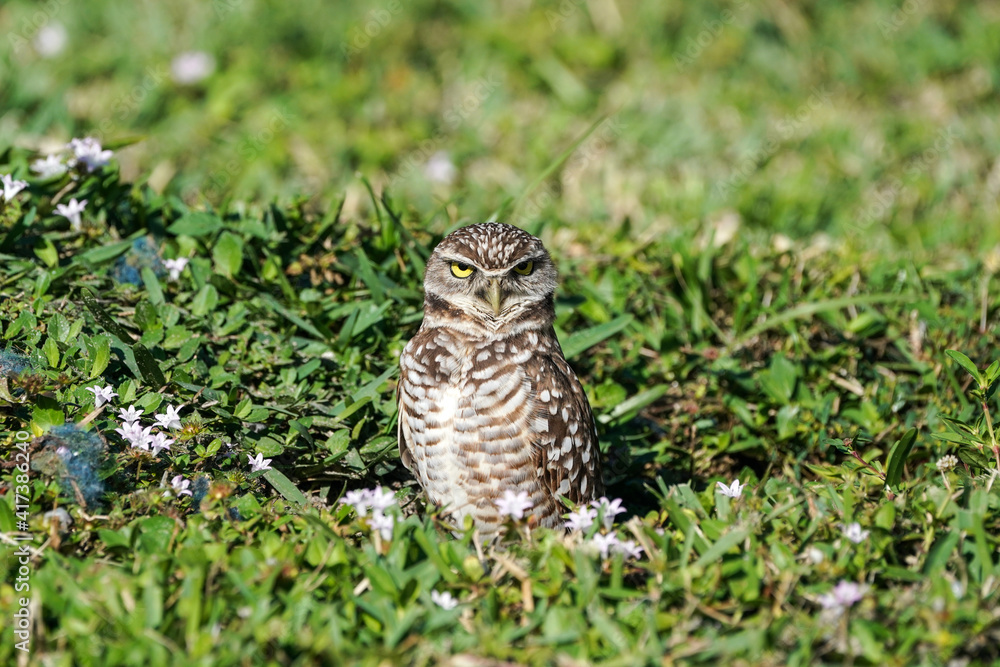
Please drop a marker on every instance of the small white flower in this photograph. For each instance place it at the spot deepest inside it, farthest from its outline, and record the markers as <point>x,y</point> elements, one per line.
<point>513,504</point>
<point>440,169</point>
<point>946,462</point>
<point>582,519</point>
<point>444,600</point>
<point>814,555</point>
<point>854,533</point>
<point>191,67</point>
<point>129,416</point>
<point>88,151</point>
<point>259,463</point>
<point>101,395</point>
<point>11,186</point>
<point>51,39</point>
<point>175,266</point>
<point>136,435</point>
<point>49,166</point>
<point>358,499</point>
<point>843,596</point>
<point>383,523</point>
<point>608,509</point>
<point>159,442</point>
<point>957,589</point>
<point>180,486</point>
<point>72,211</point>
<point>628,548</point>
<point>734,491</point>
<point>605,543</point>
<point>380,500</point>
<point>170,419</point>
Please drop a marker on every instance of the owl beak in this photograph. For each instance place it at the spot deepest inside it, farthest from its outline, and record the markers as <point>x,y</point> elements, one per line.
<point>495,298</point>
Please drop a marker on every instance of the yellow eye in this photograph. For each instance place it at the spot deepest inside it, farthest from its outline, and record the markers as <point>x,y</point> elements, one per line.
<point>460,270</point>
<point>524,268</point>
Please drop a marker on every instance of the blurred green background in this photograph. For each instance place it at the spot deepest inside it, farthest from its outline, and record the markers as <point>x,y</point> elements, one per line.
<point>876,121</point>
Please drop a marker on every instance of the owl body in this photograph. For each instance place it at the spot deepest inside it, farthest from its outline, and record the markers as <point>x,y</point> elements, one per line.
<point>487,401</point>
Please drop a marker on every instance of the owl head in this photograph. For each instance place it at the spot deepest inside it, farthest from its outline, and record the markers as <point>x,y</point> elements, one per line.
<point>491,271</point>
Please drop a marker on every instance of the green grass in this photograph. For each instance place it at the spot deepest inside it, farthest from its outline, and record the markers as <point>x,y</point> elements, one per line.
<point>768,273</point>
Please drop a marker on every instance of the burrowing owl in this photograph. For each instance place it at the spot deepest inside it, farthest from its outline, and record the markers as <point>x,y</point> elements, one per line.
<point>487,402</point>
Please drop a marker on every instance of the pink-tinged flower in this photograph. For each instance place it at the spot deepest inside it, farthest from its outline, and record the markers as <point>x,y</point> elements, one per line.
<point>101,395</point>
<point>159,442</point>
<point>175,266</point>
<point>843,596</point>
<point>88,152</point>
<point>191,67</point>
<point>11,186</point>
<point>608,509</point>
<point>628,548</point>
<point>170,419</point>
<point>513,504</point>
<point>581,519</point>
<point>383,523</point>
<point>444,600</point>
<point>180,486</point>
<point>380,500</point>
<point>358,499</point>
<point>136,435</point>
<point>259,463</point>
<point>854,533</point>
<point>733,491</point>
<point>72,211</point>
<point>604,543</point>
<point>129,416</point>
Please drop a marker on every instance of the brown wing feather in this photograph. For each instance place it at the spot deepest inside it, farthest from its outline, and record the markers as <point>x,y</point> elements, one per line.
<point>570,458</point>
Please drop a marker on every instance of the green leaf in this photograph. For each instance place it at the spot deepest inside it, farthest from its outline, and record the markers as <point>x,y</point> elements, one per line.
<point>46,252</point>
<point>228,254</point>
<point>198,223</point>
<point>7,522</point>
<point>779,379</point>
<point>100,355</point>
<point>897,457</point>
<point>51,351</point>
<point>581,341</point>
<point>205,301</point>
<point>152,284</point>
<point>965,363</point>
<point>284,486</point>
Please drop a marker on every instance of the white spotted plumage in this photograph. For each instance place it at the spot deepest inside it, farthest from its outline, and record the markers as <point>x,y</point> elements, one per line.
<point>487,403</point>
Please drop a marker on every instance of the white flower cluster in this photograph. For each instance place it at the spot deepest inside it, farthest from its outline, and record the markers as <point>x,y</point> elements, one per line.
<point>376,501</point>
<point>143,438</point>
<point>604,543</point>
<point>946,462</point>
